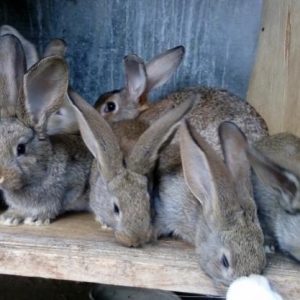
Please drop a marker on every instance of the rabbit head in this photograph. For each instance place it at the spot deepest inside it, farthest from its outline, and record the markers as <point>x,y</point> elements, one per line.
<point>141,78</point>
<point>26,103</point>
<point>229,239</point>
<point>277,165</point>
<point>121,193</point>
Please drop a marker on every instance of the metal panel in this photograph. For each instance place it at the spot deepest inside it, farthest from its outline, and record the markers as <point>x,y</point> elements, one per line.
<point>220,37</point>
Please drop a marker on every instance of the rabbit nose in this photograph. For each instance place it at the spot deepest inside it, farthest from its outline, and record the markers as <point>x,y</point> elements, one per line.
<point>127,240</point>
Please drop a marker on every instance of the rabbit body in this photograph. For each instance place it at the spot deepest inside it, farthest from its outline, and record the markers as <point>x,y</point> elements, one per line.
<point>213,107</point>
<point>276,162</point>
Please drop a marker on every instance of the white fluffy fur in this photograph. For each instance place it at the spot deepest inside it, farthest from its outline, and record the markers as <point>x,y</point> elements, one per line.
<point>254,287</point>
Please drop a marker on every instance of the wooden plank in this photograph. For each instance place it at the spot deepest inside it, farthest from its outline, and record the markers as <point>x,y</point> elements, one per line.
<point>76,248</point>
<point>274,87</point>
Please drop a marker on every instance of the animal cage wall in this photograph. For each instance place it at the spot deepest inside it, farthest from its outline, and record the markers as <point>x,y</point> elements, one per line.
<point>220,38</point>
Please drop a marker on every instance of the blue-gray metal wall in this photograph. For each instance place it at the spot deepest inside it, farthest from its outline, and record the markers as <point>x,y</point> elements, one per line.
<point>220,37</point>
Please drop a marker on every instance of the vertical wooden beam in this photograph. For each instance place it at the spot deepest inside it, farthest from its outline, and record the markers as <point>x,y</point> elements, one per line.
<point>275,83</point>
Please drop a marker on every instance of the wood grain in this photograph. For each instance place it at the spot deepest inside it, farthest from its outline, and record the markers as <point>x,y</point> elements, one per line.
<point>76,248</point>
<point>274,87</point>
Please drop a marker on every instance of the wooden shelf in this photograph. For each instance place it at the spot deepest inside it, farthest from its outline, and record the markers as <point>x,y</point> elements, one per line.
<point>76,248</point>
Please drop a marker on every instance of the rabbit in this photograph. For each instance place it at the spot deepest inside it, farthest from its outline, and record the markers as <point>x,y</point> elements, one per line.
<point>214,105</point>
<point>64,120</point>
<point>121,176</point>
<point>254,287</point>
<point>276,180</point>
<point>210,204</point>
<point>41,175</point>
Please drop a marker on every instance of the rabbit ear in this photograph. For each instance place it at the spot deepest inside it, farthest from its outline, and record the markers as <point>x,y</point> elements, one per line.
<point>45,86</point>
<point>98,137</point>
<point>135,74</point>
<point>145,152</point>
<point>274,176</point>
<point>160,68</point>
<point>202,168</point>
<point>234,145</point>
<point>56,47</point>
<point>12,68</point>
<point>30,51</point>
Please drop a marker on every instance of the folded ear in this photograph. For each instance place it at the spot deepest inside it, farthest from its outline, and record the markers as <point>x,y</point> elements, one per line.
<point>234,145</point>
<point>56,47</point>
<point>160,68</point>
<point>135,74</point>
<point>30,51</point>
<point>44,88</point>
<point>146,150</point>
<point>98,137</point>
<point>12,68</point>
<point>202,169</point>
<point>276,177</point>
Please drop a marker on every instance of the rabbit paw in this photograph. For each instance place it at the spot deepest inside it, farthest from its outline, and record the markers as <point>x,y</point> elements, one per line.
<point>37,221</point>
<point>103,225</point>
<point>11,218</point>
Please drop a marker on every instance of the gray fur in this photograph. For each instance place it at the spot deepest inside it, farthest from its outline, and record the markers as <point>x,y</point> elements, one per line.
<point>276,163</point>
<point>50,177</point>
<point>213,105</point>
<point>207,204</point>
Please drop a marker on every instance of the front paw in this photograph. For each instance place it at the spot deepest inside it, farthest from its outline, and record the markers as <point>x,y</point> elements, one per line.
<point>11,218</point>
<point>37,221</point>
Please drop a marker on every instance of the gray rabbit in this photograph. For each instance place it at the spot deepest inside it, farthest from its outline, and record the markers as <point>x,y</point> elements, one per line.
<point>276,162</point>
<point>41,175</point>
<point>210,204</point>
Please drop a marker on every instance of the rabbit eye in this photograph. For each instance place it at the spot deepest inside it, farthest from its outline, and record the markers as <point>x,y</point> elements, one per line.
<point>116,209</point>
<point>21,149</point>
<point>225,262</point>
<point>109,107</point>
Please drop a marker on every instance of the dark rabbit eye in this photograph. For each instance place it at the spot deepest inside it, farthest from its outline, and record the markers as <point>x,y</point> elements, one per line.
<point>21,149</point>
<point>116,209</point>
<point>225,262</point>
<point>110,106</point>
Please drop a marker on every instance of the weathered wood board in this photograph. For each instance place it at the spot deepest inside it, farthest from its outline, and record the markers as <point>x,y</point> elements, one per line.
<point>76,248</point>
<point>275,83</point>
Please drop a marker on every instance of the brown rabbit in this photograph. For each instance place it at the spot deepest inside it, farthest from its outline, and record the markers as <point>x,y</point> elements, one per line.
<point>122,173</point>
<point>276,181</point>
<point>210,204</point>
<point>214,105</point>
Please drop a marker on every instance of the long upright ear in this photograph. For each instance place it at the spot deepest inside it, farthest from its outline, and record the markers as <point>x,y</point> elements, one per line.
<point>45,86</point>
<point>234,146</point>
<point>30,51</point>
<point>146,150</point>
<point>276,177</point>
<point>203,169</point>
<point>135,74</point>
<point>98,137</point>
<point>12,68</point>
<point>56,47</point>
<point>160,68</point>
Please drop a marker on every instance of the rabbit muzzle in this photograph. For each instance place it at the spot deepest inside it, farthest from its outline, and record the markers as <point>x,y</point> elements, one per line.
<point>10,179</point>
<point>133,240</point>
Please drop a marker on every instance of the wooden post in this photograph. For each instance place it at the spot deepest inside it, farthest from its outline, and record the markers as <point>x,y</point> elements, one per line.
<point>275,84</point>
